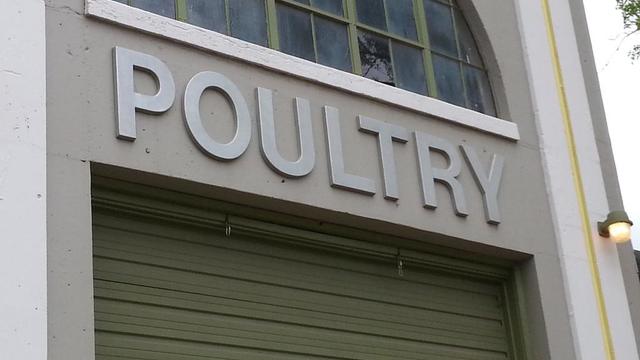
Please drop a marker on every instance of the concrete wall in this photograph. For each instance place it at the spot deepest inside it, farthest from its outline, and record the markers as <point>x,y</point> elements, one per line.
<point>596,295</point>
<point>23,196</point>
<point>614,196</point>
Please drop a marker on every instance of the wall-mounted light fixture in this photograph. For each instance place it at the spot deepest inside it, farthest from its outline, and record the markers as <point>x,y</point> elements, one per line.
<point>616,227</point>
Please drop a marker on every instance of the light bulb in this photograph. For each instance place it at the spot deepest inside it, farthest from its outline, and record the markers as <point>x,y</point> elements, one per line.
<point>620,232</point>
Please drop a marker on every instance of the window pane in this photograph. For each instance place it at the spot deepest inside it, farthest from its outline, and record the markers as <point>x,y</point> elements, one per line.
<point>375,57</point>
<point>332,44</point>
<point>401,18</point>
<point>409,68</point>
<point>122,1</point>
<point>478,91</point>
<point>371,12</point>
<point>468,49</point>
<point>208,14</point>
<point>332,6</point>
<point>306,2</point>
<point>248,20</point>
<point>294,29</point>
<point>440,26</point>
<point>448,80</point>
<point>161,7</point>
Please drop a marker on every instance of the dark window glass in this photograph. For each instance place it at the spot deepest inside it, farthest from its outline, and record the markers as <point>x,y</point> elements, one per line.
<point>440,24</point>
<point>390,53</point>
<point>478,91</point>
<point>409,66</point>
<point>332,44</point>
<point>294,29</point>
<point>371,12</point>
<point>448,80</point>
<point>375,57</point>
<point>161,7</point>
<point>209,14</point>
<point>401,19</point>
<point>468,49</point>
<point>248,21</point>
<point>332,6</point>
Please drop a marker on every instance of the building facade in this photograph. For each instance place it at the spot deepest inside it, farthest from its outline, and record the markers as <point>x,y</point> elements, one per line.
<point>289,179</point>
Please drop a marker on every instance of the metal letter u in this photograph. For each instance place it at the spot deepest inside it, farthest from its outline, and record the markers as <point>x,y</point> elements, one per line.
<point>305,163</point>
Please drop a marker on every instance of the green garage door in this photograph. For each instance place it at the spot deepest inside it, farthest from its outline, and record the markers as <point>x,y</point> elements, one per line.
<point>169,285</point>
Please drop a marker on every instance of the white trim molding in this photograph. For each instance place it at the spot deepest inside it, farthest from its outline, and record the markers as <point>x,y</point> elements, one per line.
<point>23,211</point>
<point>131,17</point>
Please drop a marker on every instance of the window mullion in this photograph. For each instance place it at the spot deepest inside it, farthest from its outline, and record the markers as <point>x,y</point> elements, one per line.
<point>423,38</point>
<point>272,25</point>
<point>353,36</point>
<point>313,35</point>
<point>386,15</point>
<point>390,44</point>
<point>227,17</point>
<point>181,10</point>
<point>393,65</point>
<point>455,32</point>
<point>460,62</point>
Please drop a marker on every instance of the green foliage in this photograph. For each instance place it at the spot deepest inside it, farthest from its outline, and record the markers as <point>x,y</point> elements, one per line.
<point>631,16</point>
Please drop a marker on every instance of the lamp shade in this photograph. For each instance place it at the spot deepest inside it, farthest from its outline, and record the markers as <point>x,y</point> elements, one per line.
<point>617,227</point>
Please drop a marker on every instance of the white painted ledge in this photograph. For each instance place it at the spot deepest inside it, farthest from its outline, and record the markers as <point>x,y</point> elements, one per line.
<point>274,60</point>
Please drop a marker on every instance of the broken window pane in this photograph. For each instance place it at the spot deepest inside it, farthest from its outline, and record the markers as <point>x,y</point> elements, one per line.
<point>375,57</point>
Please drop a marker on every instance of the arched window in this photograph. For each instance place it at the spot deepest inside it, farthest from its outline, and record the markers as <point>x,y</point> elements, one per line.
<point>424,46</point>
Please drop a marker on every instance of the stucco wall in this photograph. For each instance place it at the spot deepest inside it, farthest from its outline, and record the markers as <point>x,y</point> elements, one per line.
<point>82,61</point>
<point>81,130</point>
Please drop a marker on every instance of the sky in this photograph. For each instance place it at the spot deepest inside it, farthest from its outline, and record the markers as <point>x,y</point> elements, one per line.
<point>619,82</point>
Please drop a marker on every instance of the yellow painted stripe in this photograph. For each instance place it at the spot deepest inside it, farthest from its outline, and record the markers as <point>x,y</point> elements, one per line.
<point>579,186</point>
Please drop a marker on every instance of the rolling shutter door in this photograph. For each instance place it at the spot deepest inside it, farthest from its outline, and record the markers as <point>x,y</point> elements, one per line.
<point>170,288</point>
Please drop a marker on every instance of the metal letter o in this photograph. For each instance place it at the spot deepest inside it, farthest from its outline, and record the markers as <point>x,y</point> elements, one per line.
<point>196,87</point>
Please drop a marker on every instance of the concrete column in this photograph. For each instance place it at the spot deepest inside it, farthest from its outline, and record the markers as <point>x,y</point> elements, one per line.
<point>23,231</point>
<point>599,312</point>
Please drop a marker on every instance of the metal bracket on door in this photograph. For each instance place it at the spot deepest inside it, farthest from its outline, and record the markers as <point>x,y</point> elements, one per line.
<point>227,226</point>
<point>400,264</point>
